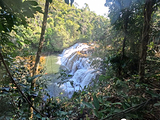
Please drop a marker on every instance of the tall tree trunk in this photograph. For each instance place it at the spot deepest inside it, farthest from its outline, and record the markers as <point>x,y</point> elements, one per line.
<point>124,44</point>
<point>148,9</point>
<point>126,17</point>
<point>125,35</point>
<point>125,26</point>
<point>42,39</point>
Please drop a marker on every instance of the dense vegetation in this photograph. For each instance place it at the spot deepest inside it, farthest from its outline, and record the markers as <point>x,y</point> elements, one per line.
<point>66,25</point>
<point>128,44</point>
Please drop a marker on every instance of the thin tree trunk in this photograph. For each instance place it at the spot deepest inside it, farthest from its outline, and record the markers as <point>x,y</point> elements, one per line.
<point>124,40</point>
<point>42,39</point>
<point>125,32</point>
<point>148,9</point>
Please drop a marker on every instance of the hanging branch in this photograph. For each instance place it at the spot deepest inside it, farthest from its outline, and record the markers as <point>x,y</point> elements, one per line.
<point>24,96</point>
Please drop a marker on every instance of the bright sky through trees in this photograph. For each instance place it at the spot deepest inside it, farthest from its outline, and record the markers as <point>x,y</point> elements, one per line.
<point>95,5</point>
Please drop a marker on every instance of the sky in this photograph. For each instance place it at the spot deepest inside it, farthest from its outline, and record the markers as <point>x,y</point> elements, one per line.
<point>95,5</point>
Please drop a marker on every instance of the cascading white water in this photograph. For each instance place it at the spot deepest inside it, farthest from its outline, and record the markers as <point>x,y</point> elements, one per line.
<point>75,60</point>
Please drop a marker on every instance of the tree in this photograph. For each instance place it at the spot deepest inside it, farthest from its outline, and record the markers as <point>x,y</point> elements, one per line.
<point>148,11</point>
<point>122,14</point>
<point>42,39</point>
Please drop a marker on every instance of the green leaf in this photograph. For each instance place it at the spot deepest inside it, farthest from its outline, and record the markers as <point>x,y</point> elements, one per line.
<point>62,113</point>
<point>33,3</point>
<point>2,95</point>
<point>6,89</point>
<point>126,105</point>
<point>157,104</point>
<point>45,118</point>
<point>102,77</point>
<point>38,115</point>
<point>117,110</point>
<point>95,102</point>
<point>106,110</point>
<point>96,112</point>
<point>15,94</point>
<point>70,75</point>
<point>108,104</point>
<point>117,103</point>
<point>39,9</point>
<point>153,94</point>
<point>88,105</point>
<point>30,79</point>
<point>29,13</point>
<point>27,41</point>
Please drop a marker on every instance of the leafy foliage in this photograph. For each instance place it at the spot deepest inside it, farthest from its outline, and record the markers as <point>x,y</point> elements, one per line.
<point>66,25</point>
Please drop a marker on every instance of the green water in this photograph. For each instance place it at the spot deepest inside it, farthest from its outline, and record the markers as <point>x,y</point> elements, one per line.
<point>50,65</point>
<point>50,77</point>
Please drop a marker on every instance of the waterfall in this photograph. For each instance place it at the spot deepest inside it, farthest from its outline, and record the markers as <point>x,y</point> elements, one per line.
<point>76,61</point>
